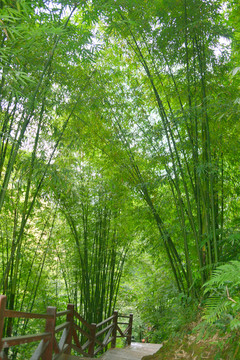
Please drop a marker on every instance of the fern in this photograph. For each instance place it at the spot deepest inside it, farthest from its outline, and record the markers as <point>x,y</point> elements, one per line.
<point>215,307</point>
<point>227,273</point>
<point>221,286</point>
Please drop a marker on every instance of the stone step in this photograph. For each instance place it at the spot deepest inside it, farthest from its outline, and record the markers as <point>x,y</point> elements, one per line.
<point>133,352</point>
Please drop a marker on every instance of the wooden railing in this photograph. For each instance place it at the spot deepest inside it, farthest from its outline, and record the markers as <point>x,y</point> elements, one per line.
<point>75,333</point>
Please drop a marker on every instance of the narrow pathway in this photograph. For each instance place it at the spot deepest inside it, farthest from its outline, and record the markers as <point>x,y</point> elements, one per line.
<point>133,352</point>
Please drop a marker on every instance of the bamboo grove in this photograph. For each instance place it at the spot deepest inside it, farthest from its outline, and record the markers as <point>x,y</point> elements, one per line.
<point>36,108</point>
<point>181,74</point>
<point>111,109</point>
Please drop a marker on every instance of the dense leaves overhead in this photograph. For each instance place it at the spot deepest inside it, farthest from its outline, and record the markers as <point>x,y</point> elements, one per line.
<point>119,125</point>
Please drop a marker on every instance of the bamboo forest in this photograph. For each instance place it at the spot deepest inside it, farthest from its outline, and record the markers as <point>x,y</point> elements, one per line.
<point>120,177</point>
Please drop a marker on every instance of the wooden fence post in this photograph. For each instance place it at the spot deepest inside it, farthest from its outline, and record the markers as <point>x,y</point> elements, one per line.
<point>129,336</point>
<point>93,336</point>
<point>50,327</point>
<point>3,301</point>
<point>70,318</point>
<point>114,333</point>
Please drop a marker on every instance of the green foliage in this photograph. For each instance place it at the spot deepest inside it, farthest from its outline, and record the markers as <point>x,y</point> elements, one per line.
<point>119,125</point>
<point>98,234</point>
<point>159,311</point>
<point>223,303</point>
<point>223,274</point>
<point>166,122</point>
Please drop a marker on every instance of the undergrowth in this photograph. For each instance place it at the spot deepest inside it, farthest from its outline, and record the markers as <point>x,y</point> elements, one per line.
<point>215,334</point>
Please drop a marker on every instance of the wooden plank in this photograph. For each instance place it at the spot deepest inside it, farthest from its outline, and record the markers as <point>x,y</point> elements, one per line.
<point>63,339</point>
<point>102,347</point>
<point>62,313</point>
<point>120,331</point>
<point>114,333</point>
<point>56,348</point>
<point>62,326</point>
<point>26,315</point>
<point>3,301</point>
<point>105,341</point>
<point>66,348</point>
<point>83,332</point>
<point>17,340</point>
<point>70,320</point>
<point>111,326</point>
<point>93,339</point>
<point>50,327</point>
<point>109,340</point>
<point>97,350</point>
<point>75,338</point>
<point>105,321</point>
<point>86,345</point>
<point>39,350</point>
<point>83,321</point>
<point>129,329</point>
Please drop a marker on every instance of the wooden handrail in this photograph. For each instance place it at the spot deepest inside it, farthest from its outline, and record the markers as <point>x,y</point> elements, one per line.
<point>95,341</point>
<point>104,330</point>
<point>62,313</point>
<point>25,315</point>
<point>62,326</point>
<point>124,316</point>
<point>18,340</point>
<point>105,321</point>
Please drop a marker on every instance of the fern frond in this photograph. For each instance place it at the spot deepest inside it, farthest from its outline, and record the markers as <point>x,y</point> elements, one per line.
<point>214,308</point>
<point>227,273</point>
<point>217,304</point>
